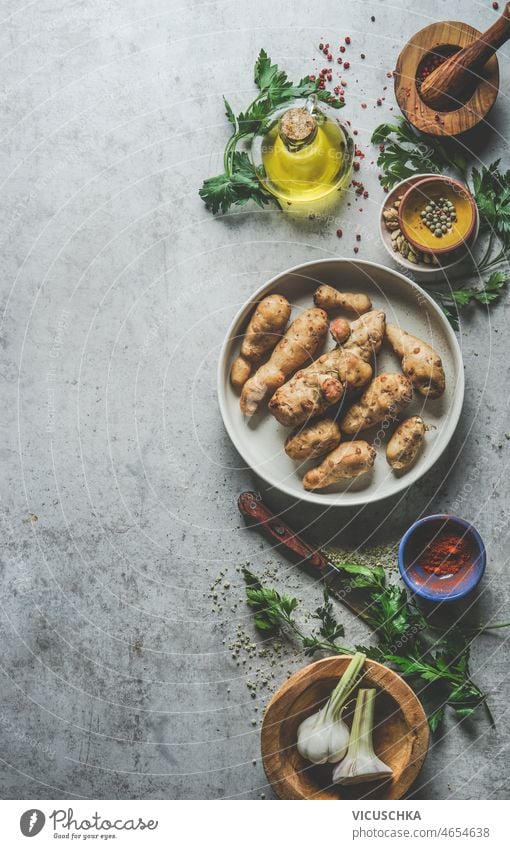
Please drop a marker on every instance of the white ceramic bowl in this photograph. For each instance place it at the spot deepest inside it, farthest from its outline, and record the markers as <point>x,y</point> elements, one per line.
<point>260,440</point>
<point>420,270</point>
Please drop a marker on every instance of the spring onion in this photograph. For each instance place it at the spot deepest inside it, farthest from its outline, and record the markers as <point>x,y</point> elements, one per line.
<point>324,736</point>
<point>361,763</point>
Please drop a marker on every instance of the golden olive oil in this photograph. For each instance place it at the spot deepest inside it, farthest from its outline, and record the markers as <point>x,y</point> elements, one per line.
<point>305,157</point>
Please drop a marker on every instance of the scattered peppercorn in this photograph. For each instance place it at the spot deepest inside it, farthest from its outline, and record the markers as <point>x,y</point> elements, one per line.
<point>355,165</point>
<point>312,78</point>
<point>356,250</point>
<point>347,39</point>
<point>427,68</point>
<point>358,237</point>
<point>363,105</point>
<point>379,101</point>
<point>372,18</point>
<point>339,60</point>
<point>339,233</point>
<point>495,6</point>
<point>347,65</point>
<point>321,46</point>
<point>342,49</point>
<point>362,55</point>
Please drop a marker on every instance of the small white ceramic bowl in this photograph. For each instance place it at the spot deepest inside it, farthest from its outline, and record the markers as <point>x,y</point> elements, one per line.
<point>420,269</point>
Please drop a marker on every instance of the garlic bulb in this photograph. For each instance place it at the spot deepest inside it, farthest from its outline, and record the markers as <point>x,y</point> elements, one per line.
<point>361,763</point>
<point>324,736</point>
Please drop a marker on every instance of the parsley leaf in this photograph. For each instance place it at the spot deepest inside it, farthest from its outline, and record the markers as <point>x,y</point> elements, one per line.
<point>485,294</point>
<point>271,608</point>
<point>404,152</point>
<point>229,112</point>
<point>221,192</point>
<point>491,188</point>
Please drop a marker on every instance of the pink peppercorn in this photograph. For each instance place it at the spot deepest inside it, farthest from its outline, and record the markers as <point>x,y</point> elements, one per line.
<point>347,39</point>
<point>342,49</point>
<point>347,65</point>
<point>339,233</point>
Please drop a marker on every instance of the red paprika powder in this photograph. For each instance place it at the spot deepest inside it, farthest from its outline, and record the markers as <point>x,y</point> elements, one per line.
<point>446,554</point>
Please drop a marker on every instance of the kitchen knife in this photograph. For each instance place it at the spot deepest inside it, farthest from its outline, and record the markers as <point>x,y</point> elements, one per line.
<point>255,511</point>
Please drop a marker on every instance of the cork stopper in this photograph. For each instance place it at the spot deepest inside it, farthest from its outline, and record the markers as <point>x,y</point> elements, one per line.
<point>298,125</point>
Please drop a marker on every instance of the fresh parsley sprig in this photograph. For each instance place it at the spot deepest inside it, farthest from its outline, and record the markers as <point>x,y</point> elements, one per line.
<point>405,151</point>
<point>273,612</point>
<point>437,656</point>
<point>239,182</point>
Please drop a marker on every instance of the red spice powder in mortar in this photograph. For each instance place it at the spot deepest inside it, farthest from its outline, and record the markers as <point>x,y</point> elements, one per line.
<point>446,554</point>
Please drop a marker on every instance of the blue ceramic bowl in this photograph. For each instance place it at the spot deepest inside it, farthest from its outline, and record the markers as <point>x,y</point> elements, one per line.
<point>433,587</point>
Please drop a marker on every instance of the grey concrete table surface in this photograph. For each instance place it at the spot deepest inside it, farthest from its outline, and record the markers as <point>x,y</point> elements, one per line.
<point>121,677</point>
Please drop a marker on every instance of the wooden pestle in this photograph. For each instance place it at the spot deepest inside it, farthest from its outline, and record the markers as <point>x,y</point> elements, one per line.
<point>443,88</point>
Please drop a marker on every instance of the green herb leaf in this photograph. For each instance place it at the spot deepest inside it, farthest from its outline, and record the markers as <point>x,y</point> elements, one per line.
<point>330,628</point>
<point>265,73</point>
<point>405,152</point>
<point>229,111</point>
<point>491,189</point>
<point>221,192</point>
<point>436,718</point>
<point>364,576</point>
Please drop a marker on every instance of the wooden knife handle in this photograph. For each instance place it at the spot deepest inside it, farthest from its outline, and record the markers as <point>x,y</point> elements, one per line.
<point>253,508</point>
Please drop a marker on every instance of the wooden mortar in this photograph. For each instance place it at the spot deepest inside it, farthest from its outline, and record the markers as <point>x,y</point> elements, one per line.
<point>433,39</point>
<point>445,87</point>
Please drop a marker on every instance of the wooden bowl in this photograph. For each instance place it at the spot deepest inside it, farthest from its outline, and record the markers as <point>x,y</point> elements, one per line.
<point>418,195</point>
<point>401,733</point>
<point>433,39</point>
